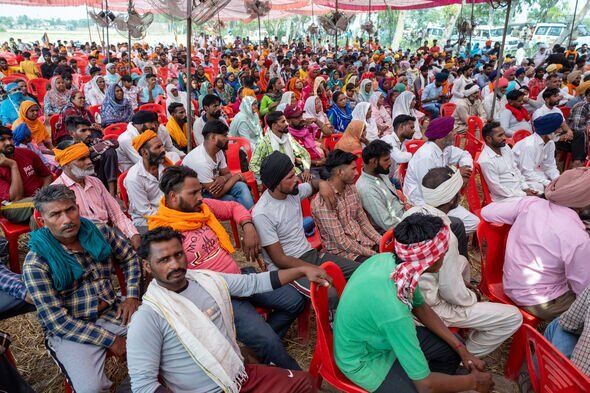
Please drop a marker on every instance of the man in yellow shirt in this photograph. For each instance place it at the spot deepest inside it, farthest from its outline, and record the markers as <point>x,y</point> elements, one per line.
<point>29,67</point>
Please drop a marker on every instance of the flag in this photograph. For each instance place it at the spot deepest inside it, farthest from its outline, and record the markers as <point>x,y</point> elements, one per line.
<point>45,39</point>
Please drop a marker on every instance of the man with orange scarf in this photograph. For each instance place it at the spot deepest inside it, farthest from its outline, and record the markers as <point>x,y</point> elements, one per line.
<point>142,180</point>
<point>22,174</point>
<point>208,246</point>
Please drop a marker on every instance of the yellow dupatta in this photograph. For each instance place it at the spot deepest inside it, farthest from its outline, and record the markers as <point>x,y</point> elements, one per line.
<point>176,133</point>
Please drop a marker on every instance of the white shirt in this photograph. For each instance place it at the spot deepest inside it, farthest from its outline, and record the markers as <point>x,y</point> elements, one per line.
<point>459,87</point>
<point>501,174</point>
<point>536,161</point>
<point>144,192</point>
<point>427,157</point>
<point>399,155</point>
<point>510,124</point>
<point>206,167</point>
<point>128,156</point>
<point>198,128</point>
<point>487,106</point>
<point>544,110</point>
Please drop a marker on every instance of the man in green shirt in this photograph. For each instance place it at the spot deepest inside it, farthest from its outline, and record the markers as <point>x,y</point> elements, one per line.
<point>376,342</point>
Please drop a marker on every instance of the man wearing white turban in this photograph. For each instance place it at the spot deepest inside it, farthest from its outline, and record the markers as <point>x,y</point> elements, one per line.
<point>469,105</point>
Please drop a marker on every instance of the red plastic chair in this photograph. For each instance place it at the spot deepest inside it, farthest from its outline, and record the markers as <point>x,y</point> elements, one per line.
<point>331,141</point>
<point>494,237</point>
<point>14,77</point>
<point>314,240</point>
<point>565,111</point>
<point>12,232</point>
<point>122,189</point>
<point>323,366</point>
<point>111,137</point>
<point>359,161</point>
<point>387,242</point>
<point>412,146</point>
<point>38,88</point>
<point>52,122</point>
<point>153,108</point>
<point>473,145</point>
<point>474,124</point>
<point>163,74</point>
<point>447,109</point>
<point>475,202</point>
<point>94,110</point>
<point>115,129</point>
<point>232,156</point>
<point>85,78</point>
<point>520,135</point>
<point>549,369</point>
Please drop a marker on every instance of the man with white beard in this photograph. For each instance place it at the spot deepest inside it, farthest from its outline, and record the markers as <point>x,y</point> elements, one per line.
<point>93,199</point>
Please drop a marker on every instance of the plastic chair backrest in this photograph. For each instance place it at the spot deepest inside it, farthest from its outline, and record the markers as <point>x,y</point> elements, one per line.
<point>447,109</point>
<point>37,217</point>
<point>94,110</point>
<point>52,122</point>
<point>359,161</point>
<point>306,207</point>
<point>152,107</point>
<point>387,242</point>
<point>38,87</point>
<point>413,145</point>
<point>325,338</point>
<point>115,129</point>
<point>549,369</point>
<point>520,135</point>
<point>14,77</point>
<point>232,153</point>
<point>565,111</point>
<point>474,123</point>
<point>492,261</point>
<point>163,74</point>
<point>331,141</point>
<point>122,189</point>
<point>473,145</point>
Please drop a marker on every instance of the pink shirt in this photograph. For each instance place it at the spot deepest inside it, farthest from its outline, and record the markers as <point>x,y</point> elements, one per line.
<point>97,204</point>
<point>202,245</point>
<point>548,249</point>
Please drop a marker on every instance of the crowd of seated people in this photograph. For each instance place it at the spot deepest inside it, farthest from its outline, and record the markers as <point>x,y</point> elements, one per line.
<point>116,165</point>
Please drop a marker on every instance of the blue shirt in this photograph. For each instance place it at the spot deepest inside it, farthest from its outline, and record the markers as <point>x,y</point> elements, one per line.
<point>145,94</point>
<point>11,283</point>
<point>431,91</point>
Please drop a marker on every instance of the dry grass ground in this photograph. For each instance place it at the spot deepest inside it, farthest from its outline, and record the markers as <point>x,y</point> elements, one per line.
<point>41,372</point>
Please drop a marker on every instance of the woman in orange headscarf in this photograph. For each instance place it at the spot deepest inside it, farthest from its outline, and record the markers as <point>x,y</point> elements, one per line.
<point>263,83</point>
<point>296,86</point>
<point>353,138</point>
<point>28,114</point>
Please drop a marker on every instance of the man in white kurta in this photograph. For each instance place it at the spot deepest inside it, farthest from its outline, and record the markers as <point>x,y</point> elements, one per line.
<point>438,152</point>
<point>448,292</point>
<point>499,170</point>
<point>535,154</point>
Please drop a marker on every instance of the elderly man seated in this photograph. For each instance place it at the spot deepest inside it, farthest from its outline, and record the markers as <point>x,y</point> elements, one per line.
<point>345,230</point>
<point>68,275</point>
<point>449,292</point>
<point>437,152</point>
<point>94,201</point>
<point>468,105</point>
<point>184,331</point>
<point>545,266</point>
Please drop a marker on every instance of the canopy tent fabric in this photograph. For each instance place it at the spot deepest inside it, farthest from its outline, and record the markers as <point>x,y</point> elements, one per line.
<point>382,5</point>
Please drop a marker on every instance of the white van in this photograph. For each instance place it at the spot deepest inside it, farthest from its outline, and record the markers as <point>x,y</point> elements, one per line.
<point>547,33</point>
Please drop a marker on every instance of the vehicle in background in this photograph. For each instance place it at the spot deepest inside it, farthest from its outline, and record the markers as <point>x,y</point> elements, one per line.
<point>547,33</point>
<point>435,33</point>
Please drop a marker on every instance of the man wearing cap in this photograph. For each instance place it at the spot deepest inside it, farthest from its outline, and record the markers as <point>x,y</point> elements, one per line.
<point>143,178</point>
<point>277,138</point>
<point>500,87</point>
<point>449,292</point>
<point>439,151</point>
<point>546,259</point>
<point>432,94</point>
<point>208,160</point>
<point>304,132</point>
<point>279,221</point>
<point>469,105</point>
<point>520,78</point>
<point>535,155</point>
<point>22,174</point>
<point>514,116</point>
<point>377,344</point>
<point>93,199</point>
<point>140,122</point>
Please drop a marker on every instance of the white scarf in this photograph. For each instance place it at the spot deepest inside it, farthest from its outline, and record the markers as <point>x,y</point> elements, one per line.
<point>445,192</point>
<point>284,141</point>
<point>208,346</point>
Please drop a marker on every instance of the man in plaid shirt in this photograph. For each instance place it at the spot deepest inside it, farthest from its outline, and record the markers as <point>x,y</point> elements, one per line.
<point>68,274</point>
<point>579,121</point>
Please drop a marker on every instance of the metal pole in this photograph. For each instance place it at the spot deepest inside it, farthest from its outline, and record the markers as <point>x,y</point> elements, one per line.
<point>471,24</point>
<point>189,87</point>
<point>336,35</point>
<point>573,24</point>
<point>88,22</point>
<point>501,56</point>
<point>259,32</point>
<point>108,24</point>
<point>129,34</point>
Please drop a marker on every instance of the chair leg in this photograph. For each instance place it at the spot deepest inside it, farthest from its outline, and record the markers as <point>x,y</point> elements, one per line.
<point>314,370</point>
<point>303,325</point>
<point>234,229</point>
<point>13,254</point>
<point>516,355</point>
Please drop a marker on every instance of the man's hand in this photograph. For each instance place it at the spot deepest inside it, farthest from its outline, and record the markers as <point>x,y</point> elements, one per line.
<point>126,309</point>
<point>327,193</point>
<point>567,136</point>
<point>306,176</point>
<point>135,241</point>
<point>28,298</point>
<point>317,275</point>
<point>251,242</point>
<point>217,185</point>
<point>465,172</point>
<point>483,381</point>
<point>119,346</point>
<point>470,362</point>
<point>6,162</point>
<point>531,192</point>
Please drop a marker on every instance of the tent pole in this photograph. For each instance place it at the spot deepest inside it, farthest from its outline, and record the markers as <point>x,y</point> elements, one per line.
<point>108,23</point>
<point>471,23</point>
<point>129,33</point>
<point>259,32</point>
<point>189,47</point>
<point>569,42</point>
<point>501,56</point>
<point>88,22</point>
<point>336,34</point>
